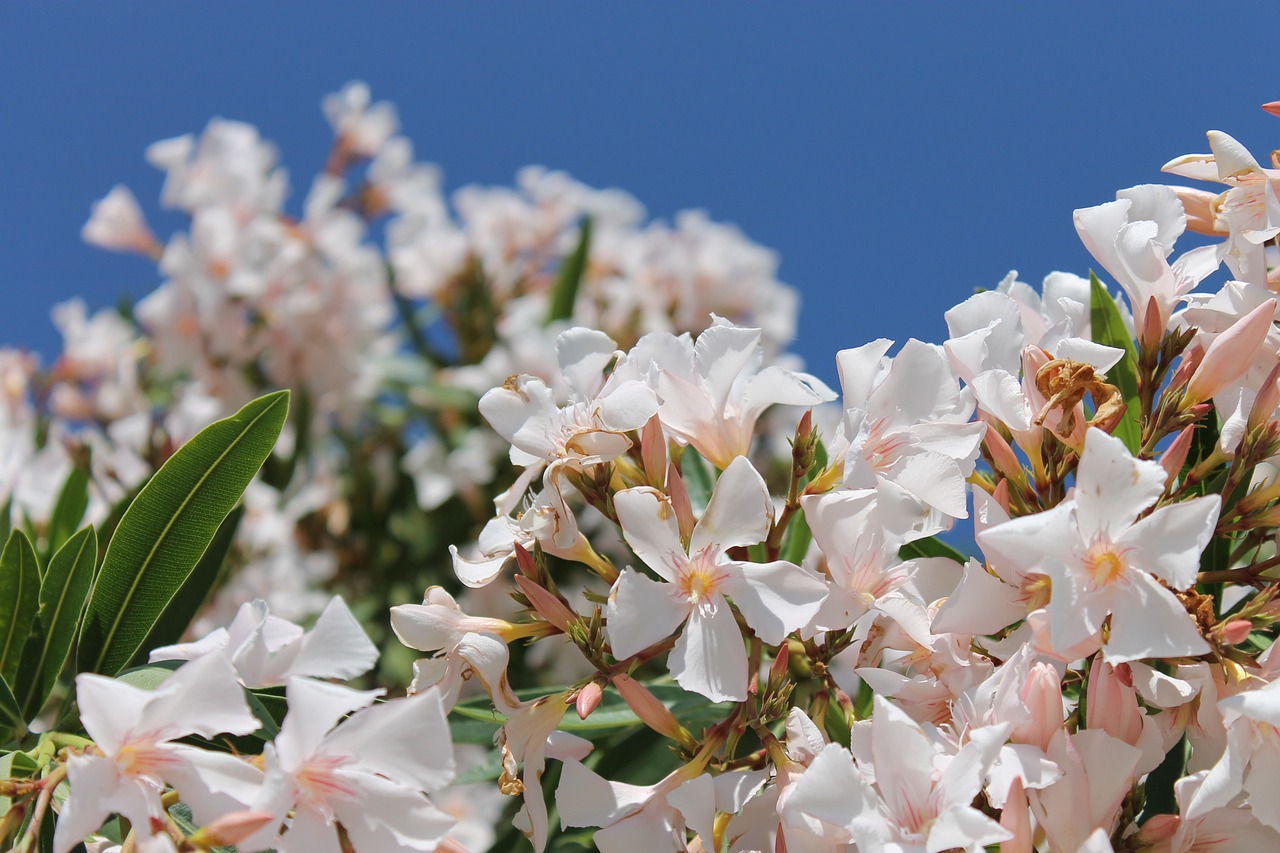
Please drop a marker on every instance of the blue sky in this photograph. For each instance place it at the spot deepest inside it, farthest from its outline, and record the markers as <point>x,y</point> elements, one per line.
<point>896,155</point>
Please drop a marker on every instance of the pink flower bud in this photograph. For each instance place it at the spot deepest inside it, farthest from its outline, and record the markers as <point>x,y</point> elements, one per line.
<point>1175,456</point>
<point>1002,455</point>
<point>1042,694</point>
<point>1237,631</point>
<point>1264,405</point>
<point>1112,704</point>
<point>1001,494</point>
<point>548,606</point>
<point>231,828</point>
<point>680,502</point>
<point>1152,330</point>
<point>1161,827</point>
<point>525,562</point>
<point>1273,107</point>
<point>653,452</point>
<point>1231,353</point>
<point>589,699</point>
<point>646,706</point>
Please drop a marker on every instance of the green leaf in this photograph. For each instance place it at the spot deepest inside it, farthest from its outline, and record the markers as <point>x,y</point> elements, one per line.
<point>193,593</point>
<point>167,528</point>
<point>19,598</point>
<point>795,542</point>
<point>698,480</point>
<point>570,279</point>
<point>12,724</point>
<point>612,713</point>
<point>930,546</point>
<point>1109,330</point>
<point>62,595</point>
<point>1159,787</point>
<point>68,510</point>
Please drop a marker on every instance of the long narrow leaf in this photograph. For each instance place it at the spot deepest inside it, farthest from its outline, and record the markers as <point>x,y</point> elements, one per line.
<point>570,279</point>
<point>62,596</point>
<point>168,527</point>
<point>930,546</point>
<point>19,598</point>
<point>191,596</point>
<point>68,510</point>
<point>12,724</point>
<point>1108,329</point>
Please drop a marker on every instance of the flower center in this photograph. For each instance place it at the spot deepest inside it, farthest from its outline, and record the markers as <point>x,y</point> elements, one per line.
<point>1105,563</point>
<point>318,781</point>
<point>702,577</point>
<point>144,758</point>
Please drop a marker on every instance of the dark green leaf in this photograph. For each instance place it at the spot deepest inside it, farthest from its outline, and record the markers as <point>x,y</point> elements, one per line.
<point>1108,330</point>
<point>69,509</point>
<point>570,279</point>
<point>19,598</point>
<point>193,593</point>
<point>167,528</point>
<point>698,480</point>
<point>62,595</point>
<point>12,724</point>
<point>612,713</point>
<point>930,546</point>
<point>795,542</point>
<point>1159,787</point>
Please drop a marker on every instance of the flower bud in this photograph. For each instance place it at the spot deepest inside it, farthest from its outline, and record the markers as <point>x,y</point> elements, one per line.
<point>588,699</point>
<point>653,452</point>
<point>1175,456</point>
<point>1273,107</point>
<point>1199,207</point>
<point>231,828</point>
<point>1230,354</point>
<point>680,502</point>
<point>1002,455</point>
<point>548,606</point>
<point>1152,331</point>
<point>1112,704</point>
<point>1042,694</point>
<point>1236,631</point>
<point>1264,405</point>
<point>651,712</point>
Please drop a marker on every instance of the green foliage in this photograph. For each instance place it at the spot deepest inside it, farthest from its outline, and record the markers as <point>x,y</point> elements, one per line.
<point>194,592</point>
<point>1109,330</point>
<point>698,478</point>
<point>68,510</point>
<point>62,596</point>
<point>19,598</point>
<point>167,528</point>
<point>569,281</point>
<point>930,546</point>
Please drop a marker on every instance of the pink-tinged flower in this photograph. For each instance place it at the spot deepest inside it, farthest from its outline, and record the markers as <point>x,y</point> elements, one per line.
<point>1103,561</point>
<point>1230,354</point>
<point>267,650</point>
<point>1098,772</point>
<point>134,728</point>
<point>116,223</point>
<point>774,598</point>
<point>657,818</point>
<point>906,427</point>
<point>1132,237</point>
<point>1248,212</point>
<point>1251,761</point>
<point>368,772</point>
<point>1217,830</point>
<point>718,392</point>
<point>903,793</point>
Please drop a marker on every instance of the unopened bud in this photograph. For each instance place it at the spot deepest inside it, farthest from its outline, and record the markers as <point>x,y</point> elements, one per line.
<point>231,828</point>
<point>1236,631</point>
<point>1152,330</point>
<point>525,562</point>
<point>1175,456</point>
<point>588,699</point>
<point>1264,405</point>
<point>1273,107</point>
<point>1002,455</point>
<point>781,666</point>
<point>680,502</point>
<point>1231,353</point>
<point>548,606</point>
<point>1001,495</point>
<point>653,452</point>
<point>1199,207</point>
<point>646,706</point>
<point>1190,361</point>
<point>1161,827</point>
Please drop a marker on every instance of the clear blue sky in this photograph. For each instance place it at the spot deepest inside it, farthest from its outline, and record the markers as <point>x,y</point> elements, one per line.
<point>896,154</point>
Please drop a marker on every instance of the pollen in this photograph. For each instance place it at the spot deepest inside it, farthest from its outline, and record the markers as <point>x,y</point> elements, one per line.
<point>1105,563</point>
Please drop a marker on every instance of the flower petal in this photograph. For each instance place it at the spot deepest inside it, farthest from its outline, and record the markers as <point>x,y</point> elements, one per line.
<point>709,657</point>
<point>642,612</point>
<point>775,598</point>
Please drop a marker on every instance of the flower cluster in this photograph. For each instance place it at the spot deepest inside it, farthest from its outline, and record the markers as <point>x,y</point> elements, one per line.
<point>666,635</point>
